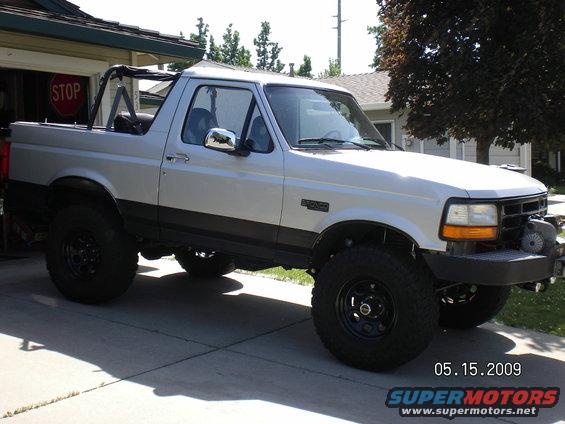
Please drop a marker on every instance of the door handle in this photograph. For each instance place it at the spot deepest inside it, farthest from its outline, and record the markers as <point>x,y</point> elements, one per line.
<point>179,156</point>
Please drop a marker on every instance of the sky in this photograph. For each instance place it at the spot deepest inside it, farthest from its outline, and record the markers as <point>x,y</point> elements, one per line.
<point>299,26</point>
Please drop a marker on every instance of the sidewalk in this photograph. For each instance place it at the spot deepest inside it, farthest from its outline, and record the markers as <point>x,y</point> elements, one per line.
<point>556,204</point>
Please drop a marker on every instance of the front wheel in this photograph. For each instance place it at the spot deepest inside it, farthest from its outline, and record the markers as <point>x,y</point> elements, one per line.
<point>467,306</point>
<point>204,264</point>
<point>373,308</point>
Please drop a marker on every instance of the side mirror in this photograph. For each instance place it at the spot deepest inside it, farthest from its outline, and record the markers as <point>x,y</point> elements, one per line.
<point>224,141</point>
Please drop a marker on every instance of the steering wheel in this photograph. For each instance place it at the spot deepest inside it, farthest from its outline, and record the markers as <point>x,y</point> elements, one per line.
<point>330,134</point>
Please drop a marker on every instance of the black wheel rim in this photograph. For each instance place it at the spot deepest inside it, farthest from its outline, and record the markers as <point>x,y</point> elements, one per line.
<point>82,255</point>
<point>366,308</point>
<point>459,295</point>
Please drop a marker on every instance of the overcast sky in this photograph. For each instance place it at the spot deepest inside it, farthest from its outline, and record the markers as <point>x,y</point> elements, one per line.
<point>300,26</point>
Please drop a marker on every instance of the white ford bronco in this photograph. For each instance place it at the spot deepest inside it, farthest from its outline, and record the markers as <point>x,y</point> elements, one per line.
<point>248,170</point>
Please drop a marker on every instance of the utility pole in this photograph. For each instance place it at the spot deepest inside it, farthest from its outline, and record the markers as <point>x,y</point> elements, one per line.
<point>339,22</point>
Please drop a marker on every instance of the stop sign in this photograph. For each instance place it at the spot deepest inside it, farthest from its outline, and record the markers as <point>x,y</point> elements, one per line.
<point>66,94</point>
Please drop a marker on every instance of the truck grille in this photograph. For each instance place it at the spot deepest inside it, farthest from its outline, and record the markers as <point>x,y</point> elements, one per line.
<point>515,213</point>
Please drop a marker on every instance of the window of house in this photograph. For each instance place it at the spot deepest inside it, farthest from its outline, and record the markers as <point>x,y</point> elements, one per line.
<point>385,128</point>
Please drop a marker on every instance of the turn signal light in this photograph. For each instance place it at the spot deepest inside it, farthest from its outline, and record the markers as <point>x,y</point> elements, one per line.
<point>456,232</point>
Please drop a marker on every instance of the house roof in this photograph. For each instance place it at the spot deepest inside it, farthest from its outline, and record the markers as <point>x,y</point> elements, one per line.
<point>61,6</point>
<point>369,89</point>
<point>92,30</point>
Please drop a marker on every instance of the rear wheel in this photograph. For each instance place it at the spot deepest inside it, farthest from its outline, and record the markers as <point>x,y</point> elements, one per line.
<point>205,264</point>
<point>374,309</point>
<point>467,306</point>
<point>90,258</point>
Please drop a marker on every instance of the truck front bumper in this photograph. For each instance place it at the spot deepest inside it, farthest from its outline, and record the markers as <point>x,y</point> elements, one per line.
<point>498,268</point>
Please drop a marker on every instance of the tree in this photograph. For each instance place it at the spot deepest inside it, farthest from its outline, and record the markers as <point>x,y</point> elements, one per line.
<point>231,52</point>
<point>333,70</point>
<point>262,45</point>
<point>490,71</point>
<point>267,51</point>
<point>244,57</point>
<point>200,37</point>
<point>305,69</point>
<point>214,52</point>
<point>377,31</point>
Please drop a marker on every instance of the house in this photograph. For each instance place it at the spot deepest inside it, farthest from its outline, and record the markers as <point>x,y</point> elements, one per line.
<point>369,89</point>
<point>52,55</point>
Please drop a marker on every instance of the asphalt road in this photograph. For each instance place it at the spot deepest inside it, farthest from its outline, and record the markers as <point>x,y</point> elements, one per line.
<point>240,348</point>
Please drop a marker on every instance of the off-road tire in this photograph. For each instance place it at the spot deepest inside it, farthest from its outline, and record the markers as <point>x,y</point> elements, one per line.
<point>211,267</point>
<point>117,254</point>
<point>411,288</point>
<point>482,307</point>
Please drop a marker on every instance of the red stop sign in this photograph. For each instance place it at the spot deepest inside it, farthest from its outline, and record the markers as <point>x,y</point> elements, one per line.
<point>66,94</point>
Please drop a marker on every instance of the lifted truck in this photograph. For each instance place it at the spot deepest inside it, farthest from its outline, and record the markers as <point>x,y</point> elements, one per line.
<point>251,170</point>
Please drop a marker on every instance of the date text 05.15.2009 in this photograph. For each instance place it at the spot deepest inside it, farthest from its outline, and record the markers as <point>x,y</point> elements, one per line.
<point>472,369</point>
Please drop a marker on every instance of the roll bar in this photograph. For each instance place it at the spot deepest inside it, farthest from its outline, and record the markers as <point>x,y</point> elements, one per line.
<point>121,71</point>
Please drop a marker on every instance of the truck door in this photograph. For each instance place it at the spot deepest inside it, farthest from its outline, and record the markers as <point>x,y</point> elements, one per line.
<point>212,199</point>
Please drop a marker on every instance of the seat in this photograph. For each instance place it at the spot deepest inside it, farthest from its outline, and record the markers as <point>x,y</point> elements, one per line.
<point>199,123</point>
<point>259,139</point>
<point>123,123</point>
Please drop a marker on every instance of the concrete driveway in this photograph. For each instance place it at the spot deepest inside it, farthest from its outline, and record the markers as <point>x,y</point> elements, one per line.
<point>240,348</point>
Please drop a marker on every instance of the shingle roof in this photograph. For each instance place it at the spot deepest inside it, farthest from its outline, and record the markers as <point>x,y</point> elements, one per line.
<point>367,88</point>
<point>61,6</point>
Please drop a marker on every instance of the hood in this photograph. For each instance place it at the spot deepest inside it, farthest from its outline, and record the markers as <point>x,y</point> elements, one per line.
<point>479,181</point>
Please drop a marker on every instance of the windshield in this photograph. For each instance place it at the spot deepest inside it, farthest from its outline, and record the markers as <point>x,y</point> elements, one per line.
<point>310,117</point>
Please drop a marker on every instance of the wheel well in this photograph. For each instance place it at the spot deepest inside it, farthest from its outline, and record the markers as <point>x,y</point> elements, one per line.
<point>71,190</point>
<point>343,235</point>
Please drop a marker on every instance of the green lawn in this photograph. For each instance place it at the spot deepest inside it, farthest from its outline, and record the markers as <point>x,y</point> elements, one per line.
<point>535,311</point>
<point>557,189</point>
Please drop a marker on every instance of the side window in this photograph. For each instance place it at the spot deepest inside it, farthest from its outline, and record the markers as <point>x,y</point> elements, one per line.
<point>228,108</point>
<point>216,107</point>
<point>258,138</point>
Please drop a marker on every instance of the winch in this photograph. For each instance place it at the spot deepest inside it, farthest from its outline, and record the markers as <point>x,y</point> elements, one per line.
<point>539,236</point>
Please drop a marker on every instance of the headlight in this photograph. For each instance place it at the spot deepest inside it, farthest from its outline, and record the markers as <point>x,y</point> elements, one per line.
<point>470,222</point>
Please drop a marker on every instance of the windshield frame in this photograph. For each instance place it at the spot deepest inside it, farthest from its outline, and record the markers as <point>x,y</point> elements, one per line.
<point>386,144</point>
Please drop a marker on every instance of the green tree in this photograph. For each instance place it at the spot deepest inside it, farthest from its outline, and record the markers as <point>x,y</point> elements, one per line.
<point>201,36</point>
<point>333,69</point>
<point>262,45</point>
<point>244,57</point>
<point>305,69</point>
<point>231,51</point>
<point>377,31</point>
<point>214,52</point>
<point>490,71</point>
<point>267,51</point>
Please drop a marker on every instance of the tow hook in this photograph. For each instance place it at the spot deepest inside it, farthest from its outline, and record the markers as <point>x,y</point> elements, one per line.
<point>535,286</point>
